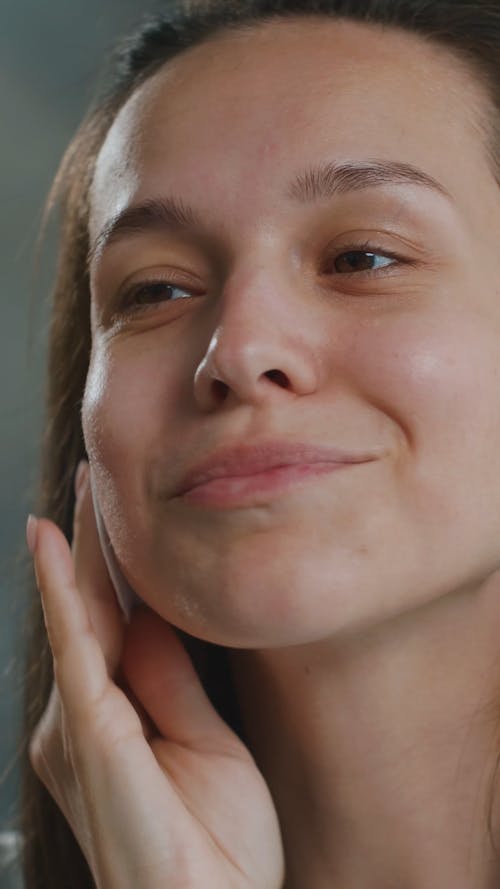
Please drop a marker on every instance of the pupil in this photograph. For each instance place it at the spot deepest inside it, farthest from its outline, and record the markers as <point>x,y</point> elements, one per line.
<point>355,261</point>
<point>157,291</point>
<point>152,292</point>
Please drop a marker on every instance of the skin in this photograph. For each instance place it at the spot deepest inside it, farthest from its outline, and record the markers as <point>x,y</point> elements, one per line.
<point>131,749</point>
<point>370,364</point>
<point>362,606</point>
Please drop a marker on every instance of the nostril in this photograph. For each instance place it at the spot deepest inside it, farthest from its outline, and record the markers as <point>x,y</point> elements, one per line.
<point>220,389</point>
<point>277,376</point>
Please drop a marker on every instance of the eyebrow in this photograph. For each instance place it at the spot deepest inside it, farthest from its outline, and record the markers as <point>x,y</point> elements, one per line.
<point>319,182</point>
<point>160,214</point>
<point>330,179</point>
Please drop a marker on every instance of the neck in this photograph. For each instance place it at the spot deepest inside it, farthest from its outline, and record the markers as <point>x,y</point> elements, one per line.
<point>380,749</point>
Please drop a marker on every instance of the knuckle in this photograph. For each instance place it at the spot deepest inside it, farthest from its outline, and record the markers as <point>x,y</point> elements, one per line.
<point>39,756</point>
<point>48,746</point>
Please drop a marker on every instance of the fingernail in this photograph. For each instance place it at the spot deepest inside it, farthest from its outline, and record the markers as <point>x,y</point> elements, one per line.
<point>31,533</point>
<point>80,477</point>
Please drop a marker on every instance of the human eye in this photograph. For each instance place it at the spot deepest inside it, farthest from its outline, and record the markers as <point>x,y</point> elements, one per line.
<point>361,259</point>
<point>146,294</point>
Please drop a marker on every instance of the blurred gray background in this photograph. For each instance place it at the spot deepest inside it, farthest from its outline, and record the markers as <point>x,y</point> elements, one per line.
<point>50,57</point>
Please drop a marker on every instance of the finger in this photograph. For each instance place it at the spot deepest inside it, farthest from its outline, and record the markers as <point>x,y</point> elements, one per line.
<point>92,575</point>
<point>79,665</point>
<point>162,676</point>
<point>49,753</point>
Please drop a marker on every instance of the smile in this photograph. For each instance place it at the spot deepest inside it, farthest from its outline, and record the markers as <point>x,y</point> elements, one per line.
<point>247,474</point>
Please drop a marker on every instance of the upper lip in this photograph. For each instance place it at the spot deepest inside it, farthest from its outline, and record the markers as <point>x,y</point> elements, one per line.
<point>241,460</point>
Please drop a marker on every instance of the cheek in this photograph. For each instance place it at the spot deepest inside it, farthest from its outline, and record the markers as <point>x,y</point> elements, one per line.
<point>117,402</point>
<point>127,412</point>
<point>437,378</point>
<point>433,375</point>
<point>133,389</point>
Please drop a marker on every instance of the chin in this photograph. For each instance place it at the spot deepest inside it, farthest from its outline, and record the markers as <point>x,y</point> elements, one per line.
<point>301,571</point>
<point>265,592</point>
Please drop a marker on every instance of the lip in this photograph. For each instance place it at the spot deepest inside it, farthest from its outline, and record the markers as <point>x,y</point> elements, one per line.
<point>233,474</point>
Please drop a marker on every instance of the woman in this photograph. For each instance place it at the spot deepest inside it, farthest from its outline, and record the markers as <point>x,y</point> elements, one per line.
<point>276,351</point>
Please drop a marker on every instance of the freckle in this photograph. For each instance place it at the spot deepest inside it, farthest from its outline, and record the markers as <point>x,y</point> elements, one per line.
<point>268,147</point>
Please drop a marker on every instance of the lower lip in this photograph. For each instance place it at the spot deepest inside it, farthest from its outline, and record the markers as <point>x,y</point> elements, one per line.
<point>245,490</point>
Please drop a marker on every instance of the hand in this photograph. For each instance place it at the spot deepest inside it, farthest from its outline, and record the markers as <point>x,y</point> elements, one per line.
<point>158,790</point>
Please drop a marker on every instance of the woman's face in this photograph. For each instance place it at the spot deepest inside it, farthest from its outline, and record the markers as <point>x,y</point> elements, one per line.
<point>332,282</point>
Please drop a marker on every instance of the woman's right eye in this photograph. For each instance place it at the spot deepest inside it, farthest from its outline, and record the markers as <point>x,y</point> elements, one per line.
<point>150,293</point>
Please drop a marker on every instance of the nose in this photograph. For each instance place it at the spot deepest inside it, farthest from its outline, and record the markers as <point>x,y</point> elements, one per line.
<point>263,346</point>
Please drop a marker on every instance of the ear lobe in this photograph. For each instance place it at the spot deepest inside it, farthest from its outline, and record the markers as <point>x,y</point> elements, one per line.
<point>126,596</point>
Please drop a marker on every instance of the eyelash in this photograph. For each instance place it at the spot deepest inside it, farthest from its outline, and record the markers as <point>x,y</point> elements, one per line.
<point>127,301</point>
<point>368,248</point>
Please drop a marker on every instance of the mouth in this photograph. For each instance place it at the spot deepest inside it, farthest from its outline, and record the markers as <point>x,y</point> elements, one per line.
<point>246,476</point>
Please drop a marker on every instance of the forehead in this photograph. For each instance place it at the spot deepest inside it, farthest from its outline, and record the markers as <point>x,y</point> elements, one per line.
<point>233,115</point>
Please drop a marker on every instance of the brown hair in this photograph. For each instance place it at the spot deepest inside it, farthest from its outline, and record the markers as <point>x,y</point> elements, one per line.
<point>469,28</point>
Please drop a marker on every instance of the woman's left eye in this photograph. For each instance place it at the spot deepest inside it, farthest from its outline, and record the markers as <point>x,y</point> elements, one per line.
<point>353,261</point>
